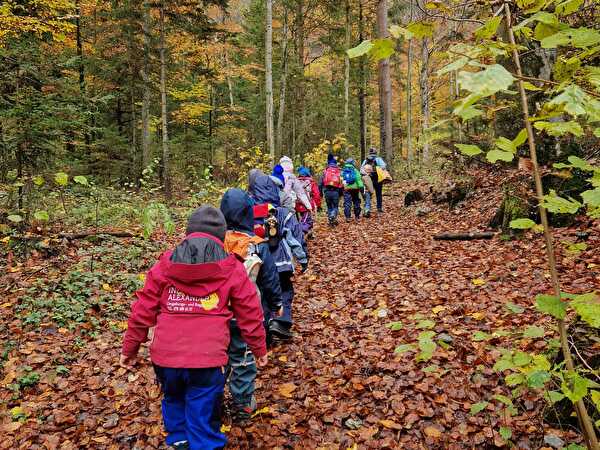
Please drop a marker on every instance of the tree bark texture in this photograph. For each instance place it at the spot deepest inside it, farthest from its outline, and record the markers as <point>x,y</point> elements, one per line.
<point>269,79</point>
<point>385,86</point>
<point>163,107</point>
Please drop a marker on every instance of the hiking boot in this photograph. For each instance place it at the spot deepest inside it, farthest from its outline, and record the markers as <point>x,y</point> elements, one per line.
<point>367,214</point>
<point>331,221</point>
<point>280,331</point>
<point>348,219</point>
<point>181,445</point>
<point>357,218</point>
<point>241,414</point>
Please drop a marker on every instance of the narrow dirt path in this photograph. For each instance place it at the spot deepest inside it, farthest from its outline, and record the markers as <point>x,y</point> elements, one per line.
<point>340,384</point>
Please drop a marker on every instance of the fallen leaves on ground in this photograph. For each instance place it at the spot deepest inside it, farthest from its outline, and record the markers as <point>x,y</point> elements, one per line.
<point>339,384</point>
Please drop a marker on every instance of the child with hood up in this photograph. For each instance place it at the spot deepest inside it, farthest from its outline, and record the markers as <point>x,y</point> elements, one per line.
<point>190,296</point>
<point>332,187</point>
<point>353,186</point>
<point>286,246</point>
<point>253,251</point>
<point>305,216</point>
<point>292,185</point>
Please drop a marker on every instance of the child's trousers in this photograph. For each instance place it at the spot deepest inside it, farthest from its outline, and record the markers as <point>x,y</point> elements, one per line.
<point>332,198</point>
<point>352,201</point>
<point>191,406</point>
<point>241,369</point>
<point>287,297</point>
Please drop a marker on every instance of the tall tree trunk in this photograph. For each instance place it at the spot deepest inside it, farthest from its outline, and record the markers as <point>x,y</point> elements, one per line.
<point>385,86</point>
<point>229,83</point>
<point>146,156</point>
<point>409,113</point>
<point>283,83</point>
<point>300,104</point>
<point>362,89</point>
<point>81,67</point>
<point>163,105</point>
<point>347,73</point>
<point>425,100</point>
<point>269,79</point>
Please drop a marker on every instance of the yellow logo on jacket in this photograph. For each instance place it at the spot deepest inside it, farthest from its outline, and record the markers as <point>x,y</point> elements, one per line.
<point>210,302</point>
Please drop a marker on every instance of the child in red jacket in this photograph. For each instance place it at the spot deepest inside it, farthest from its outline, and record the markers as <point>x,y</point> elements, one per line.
<point>306,218</point>
<point>190,296</point>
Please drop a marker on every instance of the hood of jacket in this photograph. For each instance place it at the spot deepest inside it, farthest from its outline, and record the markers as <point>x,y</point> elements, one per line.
<point>236,206</point>
<point>263,189</point>
<point>287,164</point>
<point>303,172</point>
<point>198,266</point>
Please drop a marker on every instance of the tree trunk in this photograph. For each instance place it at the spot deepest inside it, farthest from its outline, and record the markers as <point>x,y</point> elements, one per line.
<point>146,156</point>
<point>300,106</point>
<point>409,112</point>
<point>269,80</point>
<point>362,89</point>
<point>163,105</point>
<point>283,84</point>
<point>385,86</point>
<point>424,87</point>
<point>347,73</point>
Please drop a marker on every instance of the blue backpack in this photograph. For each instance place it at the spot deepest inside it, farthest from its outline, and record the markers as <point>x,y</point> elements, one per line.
<point>349,176</point>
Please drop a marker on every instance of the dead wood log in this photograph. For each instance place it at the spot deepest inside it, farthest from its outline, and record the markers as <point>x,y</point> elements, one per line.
<point>464,236</point>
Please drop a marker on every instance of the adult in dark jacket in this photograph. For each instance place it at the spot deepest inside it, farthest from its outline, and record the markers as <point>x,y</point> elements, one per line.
<point>236,206</point>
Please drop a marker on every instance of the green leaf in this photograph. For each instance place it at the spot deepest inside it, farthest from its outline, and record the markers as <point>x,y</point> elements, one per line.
<point>574,386</point>
<point>516,309</point>
<point>584,37</point>
<point>488,29</point>
<point>558,129</point>
<point>61,178</point>
<point>479,336</point>
<point>540,362</point>
<point>425,324</point>
<point>568,7</point>
<point>531,87</point>
<point>538,379</point>
<point>591,197</point>
<point>505,144</point>
<point>397,31</point>
<point>597,132</point>
<point>464,108</point>
<point>521,224</point>
<point>552,305</point>
<point>468,149</point>
<point>496,155</point>
<point>80,179</point>
<point>15,218</point>
<point>421,29</point>
<point>577,446</point>
<point>514,379</point>
<point>588,308</point>
<point>426,335</point>
<point>41,216</point>
<point>521,358</point>
<point>382,49</point>
<point>503,399</point>
<point>454,65</point>
<point>504,364</point>
<point>403,348</point>
<point>555,396</point>
<point>533,331</point>
<point>506,433</point>
<point>520,139</point>
<point>394,326</point>
<point>478,407</point>
<point>572,99</point>
<point>38,180</point>
<point>558,39</point>
<point>432,368</point>
<point>486,82</point>
<point>556,204</point>
<point>361,49</point>
<point>579,163</point>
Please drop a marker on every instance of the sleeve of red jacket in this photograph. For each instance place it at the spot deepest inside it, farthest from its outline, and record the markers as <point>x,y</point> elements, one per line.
<point>316,194</point>
<point>248,312</point>
<point>143,314</point>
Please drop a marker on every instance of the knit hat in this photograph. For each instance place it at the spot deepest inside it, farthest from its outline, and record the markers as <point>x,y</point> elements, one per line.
<point>287,164</point>
<point>331,159</point>
<point>207,219</point>
<point>373,151</point>
<point>278,173</point>
<point>303,171</point>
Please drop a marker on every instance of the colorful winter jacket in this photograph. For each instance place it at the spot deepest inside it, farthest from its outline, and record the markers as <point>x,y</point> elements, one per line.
<point>315,195</point>
<point>190,296</point>
<point>358,184</point>
<point>292,185</point>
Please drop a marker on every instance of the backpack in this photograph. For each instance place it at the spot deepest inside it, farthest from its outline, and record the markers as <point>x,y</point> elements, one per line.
<point>307,186</point>
<point>246,248</point>
<point>332,177</point>
<point>266,224</point>
<point>349,176</point>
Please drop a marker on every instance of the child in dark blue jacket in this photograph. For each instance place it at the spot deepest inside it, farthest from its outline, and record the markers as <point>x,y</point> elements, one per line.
<point>237,207</point>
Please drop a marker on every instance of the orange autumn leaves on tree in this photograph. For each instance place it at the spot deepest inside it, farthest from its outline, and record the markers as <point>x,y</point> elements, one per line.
<point>41,17</point>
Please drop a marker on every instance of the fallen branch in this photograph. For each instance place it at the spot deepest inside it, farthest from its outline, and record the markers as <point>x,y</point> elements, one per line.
<point>464,236</point>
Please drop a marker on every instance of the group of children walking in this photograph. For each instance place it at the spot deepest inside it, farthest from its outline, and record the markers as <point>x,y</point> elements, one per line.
<point>224,294</point>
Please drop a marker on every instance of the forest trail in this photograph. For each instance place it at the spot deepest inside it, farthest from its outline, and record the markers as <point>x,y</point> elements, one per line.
<point>339,384</point>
